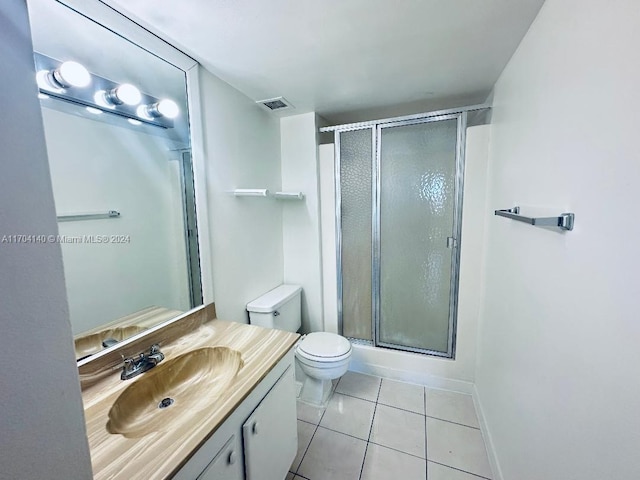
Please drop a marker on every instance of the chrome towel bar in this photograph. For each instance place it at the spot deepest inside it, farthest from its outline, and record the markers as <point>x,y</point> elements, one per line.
<point>88,216</point>
<point>564,221</point>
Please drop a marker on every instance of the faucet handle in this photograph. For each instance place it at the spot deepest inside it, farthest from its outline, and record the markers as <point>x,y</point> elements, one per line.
<point>155,348</point>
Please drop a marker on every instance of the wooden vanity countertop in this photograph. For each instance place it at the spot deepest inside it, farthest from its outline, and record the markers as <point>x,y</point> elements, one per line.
<point>159,455</point>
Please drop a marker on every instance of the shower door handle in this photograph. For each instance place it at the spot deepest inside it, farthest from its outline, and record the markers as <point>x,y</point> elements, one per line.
<point>452,242</point>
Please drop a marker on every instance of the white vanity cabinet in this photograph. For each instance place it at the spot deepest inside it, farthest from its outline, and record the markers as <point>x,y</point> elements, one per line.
<point>259,440</point>
<point>227,464</point>
<point>270,435</point>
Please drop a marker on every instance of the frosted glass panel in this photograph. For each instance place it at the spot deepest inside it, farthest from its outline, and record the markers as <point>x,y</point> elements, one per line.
<point>417,173</point>
<point>355,185</point>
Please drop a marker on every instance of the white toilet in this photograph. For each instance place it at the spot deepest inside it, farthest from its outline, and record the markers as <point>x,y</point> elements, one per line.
<point>321,356</point>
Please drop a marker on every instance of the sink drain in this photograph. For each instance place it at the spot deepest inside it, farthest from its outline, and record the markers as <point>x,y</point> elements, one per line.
<point>166,402</point>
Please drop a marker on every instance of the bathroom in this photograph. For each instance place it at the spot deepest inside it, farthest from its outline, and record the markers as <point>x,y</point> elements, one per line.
<point>540,304</point>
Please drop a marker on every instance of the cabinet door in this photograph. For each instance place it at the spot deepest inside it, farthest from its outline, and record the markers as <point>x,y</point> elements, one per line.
<point>270,434</point>
<point>226,465</point>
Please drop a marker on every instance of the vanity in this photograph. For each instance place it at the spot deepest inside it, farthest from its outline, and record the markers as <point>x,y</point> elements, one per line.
<point>245,430</point>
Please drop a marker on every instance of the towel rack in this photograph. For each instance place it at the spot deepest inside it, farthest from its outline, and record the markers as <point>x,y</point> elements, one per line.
<point>288,195</point>
<point>564,221</point>
<point>88,216</point>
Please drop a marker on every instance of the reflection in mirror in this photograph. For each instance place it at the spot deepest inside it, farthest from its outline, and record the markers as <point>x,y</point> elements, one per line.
<point>120,164</point>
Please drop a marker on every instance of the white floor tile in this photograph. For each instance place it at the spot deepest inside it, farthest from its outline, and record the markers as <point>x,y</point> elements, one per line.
<point>402,395</point>
<point>305,432</point>
<point>289,476</point>
<point>359,385</point>
<point>440,472</point>
<point>333,456</point>
<point>452,406</point>
<point>309,413</point>
<point>349,415</point>
<point>381,463</point>
<point>457,446</point>
<point>399,429</point>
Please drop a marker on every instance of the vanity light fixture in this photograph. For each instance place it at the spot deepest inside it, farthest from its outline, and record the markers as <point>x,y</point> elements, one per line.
<point>66,81</point>
<point>68,74</point>
<point>164,108</point>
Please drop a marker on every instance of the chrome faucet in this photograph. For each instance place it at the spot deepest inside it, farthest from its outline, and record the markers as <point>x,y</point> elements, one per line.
<point>134,366</point>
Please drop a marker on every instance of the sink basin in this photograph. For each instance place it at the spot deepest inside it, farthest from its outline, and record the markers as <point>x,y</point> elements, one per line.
<point>92,343</point>
<point>174,392</point>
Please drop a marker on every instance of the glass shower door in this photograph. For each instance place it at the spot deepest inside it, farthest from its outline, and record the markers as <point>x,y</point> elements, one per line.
<point>416,234</point>
<point>355,193</point>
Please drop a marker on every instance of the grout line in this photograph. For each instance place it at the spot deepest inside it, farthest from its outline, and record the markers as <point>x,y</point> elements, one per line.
<point>455,423</point>
<point>366,448</point>
<point>400,408</point>
<point>311,440</point>
<point>306,450</point>
<point>460,470</point>
<point>342,433</point>
<point>396,450</point>
<point>426,455</point>
<point>306,421</point>
<point>353,396</point>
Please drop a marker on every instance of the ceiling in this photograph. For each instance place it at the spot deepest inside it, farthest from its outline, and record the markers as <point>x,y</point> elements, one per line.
<point>348,60</point>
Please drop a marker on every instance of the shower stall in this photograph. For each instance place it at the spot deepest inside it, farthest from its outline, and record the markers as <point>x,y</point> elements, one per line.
<point>399,185</point>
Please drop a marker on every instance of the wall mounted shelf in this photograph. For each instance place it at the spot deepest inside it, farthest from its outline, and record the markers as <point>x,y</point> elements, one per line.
<point>251,192</point>
<point>564,221</point>
<point>88,216</point>
<point>263,192</point>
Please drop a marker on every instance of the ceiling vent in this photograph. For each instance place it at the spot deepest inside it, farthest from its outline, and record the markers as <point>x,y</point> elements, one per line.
<point>273,104</point>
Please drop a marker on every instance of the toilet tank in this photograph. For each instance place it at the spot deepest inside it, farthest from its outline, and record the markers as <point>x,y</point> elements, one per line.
<point>278,308</point>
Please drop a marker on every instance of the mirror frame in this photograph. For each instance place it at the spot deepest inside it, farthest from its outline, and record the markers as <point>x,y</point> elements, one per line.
<point>104,13</point>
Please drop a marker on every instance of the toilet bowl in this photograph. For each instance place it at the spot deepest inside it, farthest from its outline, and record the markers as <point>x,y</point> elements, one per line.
<point>321,356</point>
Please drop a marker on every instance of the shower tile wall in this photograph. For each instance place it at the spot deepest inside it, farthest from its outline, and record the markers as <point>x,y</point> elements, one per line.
<point>378,429</point>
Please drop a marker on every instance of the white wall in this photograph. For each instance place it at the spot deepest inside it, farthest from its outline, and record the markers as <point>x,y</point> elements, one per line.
<point>42,424</point>
<point>457,374</point>
<point>558,355</point>
<point>95,167</point>
<point>326,156</point>
<point>242,150</point>
<point>301,219</point>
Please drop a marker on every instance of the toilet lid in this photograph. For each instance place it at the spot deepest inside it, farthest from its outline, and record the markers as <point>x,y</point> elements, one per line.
<point>326,345</point>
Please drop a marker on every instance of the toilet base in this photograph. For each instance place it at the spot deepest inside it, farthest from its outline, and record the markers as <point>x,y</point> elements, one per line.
<point>316,392</point>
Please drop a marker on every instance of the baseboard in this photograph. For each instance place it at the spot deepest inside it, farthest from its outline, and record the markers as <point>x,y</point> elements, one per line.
<point>417,377</point>
<point>486,434</point>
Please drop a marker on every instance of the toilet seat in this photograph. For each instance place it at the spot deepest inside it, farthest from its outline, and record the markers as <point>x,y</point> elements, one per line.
<point>324,347</point>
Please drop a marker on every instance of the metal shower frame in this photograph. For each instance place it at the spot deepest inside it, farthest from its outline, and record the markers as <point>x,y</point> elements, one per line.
<point>376,127</point>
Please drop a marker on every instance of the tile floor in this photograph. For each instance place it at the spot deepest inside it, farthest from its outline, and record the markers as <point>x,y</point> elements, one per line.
<point>379,429</point>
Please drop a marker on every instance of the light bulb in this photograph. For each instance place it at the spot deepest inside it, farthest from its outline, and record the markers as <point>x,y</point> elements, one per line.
<point>72,74</point>
<point>128,94</point>
<point>43,78</point>
<point>125,93</point>
<point>163,108</point>
<point>168,108</point>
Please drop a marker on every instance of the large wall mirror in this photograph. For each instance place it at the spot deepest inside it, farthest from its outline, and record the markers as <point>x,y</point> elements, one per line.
<point>117,132</point>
